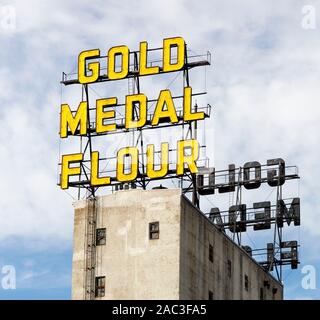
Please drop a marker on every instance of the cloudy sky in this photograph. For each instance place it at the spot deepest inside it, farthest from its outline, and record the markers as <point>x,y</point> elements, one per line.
<point>263,86</point>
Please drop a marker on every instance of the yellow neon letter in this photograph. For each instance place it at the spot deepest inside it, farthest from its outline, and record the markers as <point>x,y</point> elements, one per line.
<point>134,154</point>
<point>73,122</point>
<point>101,114</point>
<point>66,171</point>
<point>187,110</point>
<point>165,98</point>
<point>130,101</point>
<point>95,179</point>
<point>143,64</point>
<point>122,51</point>
<point>94,67</point>
<point>191,159</point>
<point>151,172</point>
<point>167,46</point>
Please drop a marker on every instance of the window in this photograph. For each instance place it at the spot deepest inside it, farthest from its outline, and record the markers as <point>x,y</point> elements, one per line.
<point>210,295</point>
<point>261,293</point>
<point>101,236</point>
<point>100,286</point>
<point>229,268</point>
<point>246,282</point>
<point>210,252</point>
<point>154,230</point>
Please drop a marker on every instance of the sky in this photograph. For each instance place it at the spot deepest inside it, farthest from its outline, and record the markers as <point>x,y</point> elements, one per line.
<point>263,85</point>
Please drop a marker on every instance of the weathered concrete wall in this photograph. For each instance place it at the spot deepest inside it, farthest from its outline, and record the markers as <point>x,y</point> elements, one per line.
<point>134,266</point>
<point>198,275</point>
<point>175,266</point>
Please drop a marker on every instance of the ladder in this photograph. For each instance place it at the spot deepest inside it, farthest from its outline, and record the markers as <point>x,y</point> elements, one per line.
<point>131,86</point>
<point>90,247</point>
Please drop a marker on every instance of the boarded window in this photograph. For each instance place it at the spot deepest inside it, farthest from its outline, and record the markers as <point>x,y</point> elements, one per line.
<point>154,230</point>
<point>101,236</point>
<point>100,286</point>
<point>229,268</point>
<point>246,282</point>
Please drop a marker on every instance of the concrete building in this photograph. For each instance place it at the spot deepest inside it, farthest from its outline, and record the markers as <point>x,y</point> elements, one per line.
<point>156,245</point>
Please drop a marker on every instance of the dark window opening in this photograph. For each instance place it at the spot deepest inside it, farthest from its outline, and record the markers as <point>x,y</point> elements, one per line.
<point>246,282</point>
<point>154,230</point>
<point>100,286</point>
<point>210,252</point>
<point>101,236</point>
<point>229,269</point>
<point>210,295</point>
<point>266,283</point>
<point>261,294</point>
